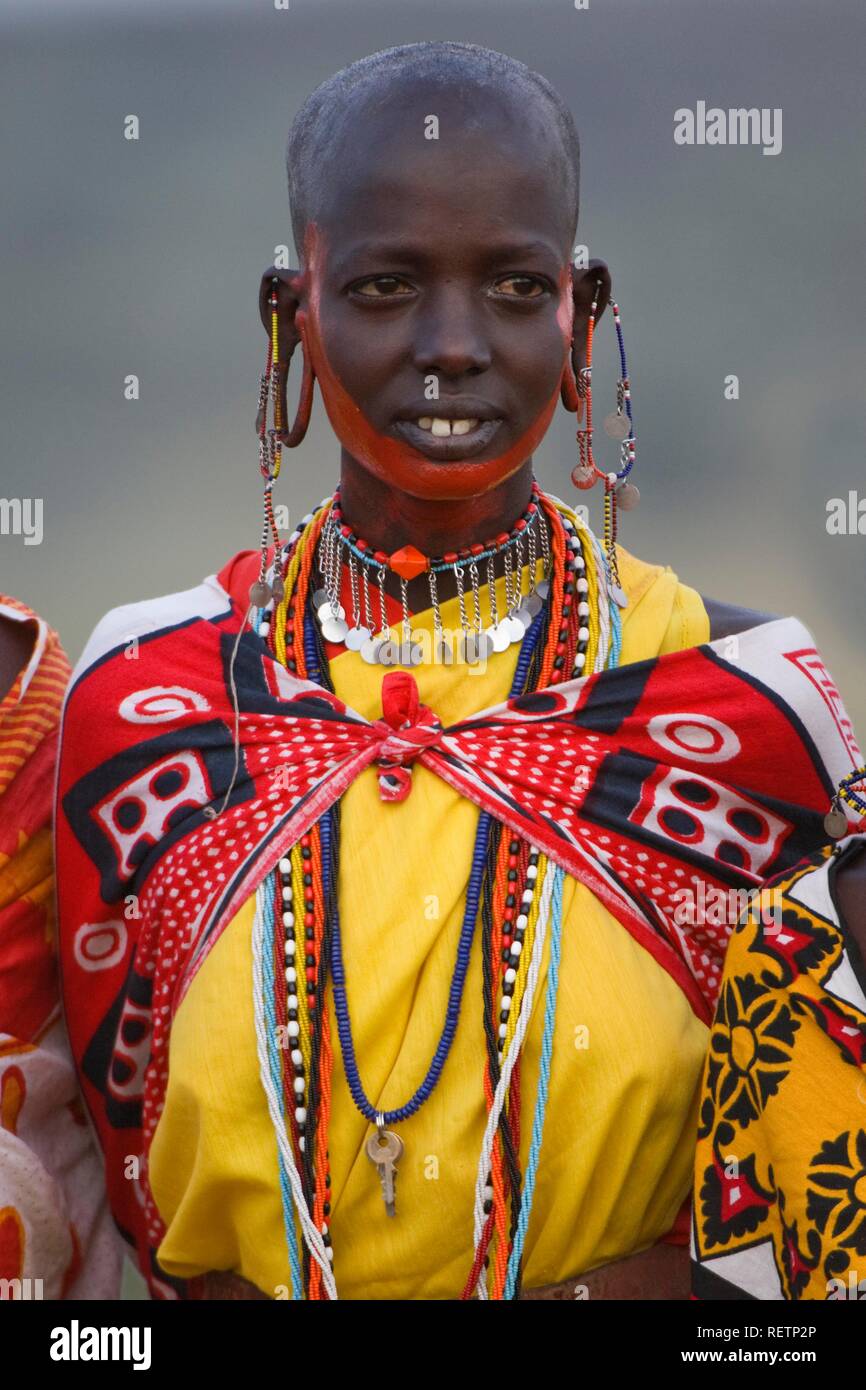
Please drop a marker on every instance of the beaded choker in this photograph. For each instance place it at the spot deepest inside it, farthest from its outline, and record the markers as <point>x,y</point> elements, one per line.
<point>371,635</point>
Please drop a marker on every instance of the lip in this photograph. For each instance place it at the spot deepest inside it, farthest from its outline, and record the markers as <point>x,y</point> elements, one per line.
<point>449,408</point>
<point>455,446</point>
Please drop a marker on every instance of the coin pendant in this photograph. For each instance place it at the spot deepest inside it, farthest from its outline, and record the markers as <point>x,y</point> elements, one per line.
<point>836,823</point>
<point>617,426</point>
<point>499,636</point>
<point>356,637</point>
<point>523,615</point>
<point>334,629</point>
<point>370,650</point>
<point>389,652</point>
<point>327,610</point>
<point>477,646</point>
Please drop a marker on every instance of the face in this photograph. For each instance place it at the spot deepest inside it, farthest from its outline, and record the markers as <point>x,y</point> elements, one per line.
<point>436,296</point>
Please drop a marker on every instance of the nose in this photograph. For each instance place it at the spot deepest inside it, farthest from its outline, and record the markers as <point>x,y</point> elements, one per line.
<point>450,338</point>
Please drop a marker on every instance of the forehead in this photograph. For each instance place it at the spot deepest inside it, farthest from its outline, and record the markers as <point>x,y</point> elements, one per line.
<point>446,164</point>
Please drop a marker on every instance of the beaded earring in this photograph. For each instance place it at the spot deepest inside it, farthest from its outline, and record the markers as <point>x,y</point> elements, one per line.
<point>271,440</point>
<point>617,425</point>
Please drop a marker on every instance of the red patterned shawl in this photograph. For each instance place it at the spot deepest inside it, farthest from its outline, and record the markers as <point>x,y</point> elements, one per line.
<point>711,766</point>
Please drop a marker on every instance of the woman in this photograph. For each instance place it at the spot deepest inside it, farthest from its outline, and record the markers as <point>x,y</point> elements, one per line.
<point>276,834</point>
<point>56,1236</point>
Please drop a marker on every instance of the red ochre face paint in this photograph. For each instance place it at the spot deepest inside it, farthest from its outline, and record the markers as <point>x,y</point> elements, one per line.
<point>393,460</point>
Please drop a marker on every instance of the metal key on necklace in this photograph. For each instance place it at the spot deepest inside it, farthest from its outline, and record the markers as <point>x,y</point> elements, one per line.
<point>385,1149</point>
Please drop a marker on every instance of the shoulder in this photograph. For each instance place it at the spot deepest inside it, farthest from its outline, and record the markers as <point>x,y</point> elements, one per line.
<point>120,625</point>
<point>727,619</point>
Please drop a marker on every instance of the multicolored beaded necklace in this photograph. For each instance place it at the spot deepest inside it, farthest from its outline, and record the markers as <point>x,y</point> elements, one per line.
<point>338,543</point>
<point>513,887</point>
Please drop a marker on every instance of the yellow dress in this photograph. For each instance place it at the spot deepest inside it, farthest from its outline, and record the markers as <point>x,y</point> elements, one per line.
<point>616,1161</point>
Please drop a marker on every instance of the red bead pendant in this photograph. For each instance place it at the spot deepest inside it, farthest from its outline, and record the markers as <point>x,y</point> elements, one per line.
<point>408,562</point>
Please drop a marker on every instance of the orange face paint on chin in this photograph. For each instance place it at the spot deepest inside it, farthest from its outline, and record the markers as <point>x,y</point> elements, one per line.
<point>393,460</point>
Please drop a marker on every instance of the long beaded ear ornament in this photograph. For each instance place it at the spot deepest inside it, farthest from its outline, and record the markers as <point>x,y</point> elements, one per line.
<point>272,440</point>
<point>836,821</point>
<point>369,633</point>
<point>618,492</point>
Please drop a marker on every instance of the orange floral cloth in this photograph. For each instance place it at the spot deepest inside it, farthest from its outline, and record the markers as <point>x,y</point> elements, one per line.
<point>56,1236</point>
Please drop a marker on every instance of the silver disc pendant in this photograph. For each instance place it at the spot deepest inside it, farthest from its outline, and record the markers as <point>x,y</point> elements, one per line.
<point>533,604</point>
<point>327,610</point>
<point>514,627</point>
<point>627,496</point>
<point>617,426</point>
<point>320,597</point>
<point>476,646</point>
<point>334,629</point>
<point>542,588</point>
<point>618,596</point>
<point>498,634</point>
<point>370,650</point>
<point>389,652</point>
<point>523,615</point>
<point>356,637</point>
<point>836,823</point>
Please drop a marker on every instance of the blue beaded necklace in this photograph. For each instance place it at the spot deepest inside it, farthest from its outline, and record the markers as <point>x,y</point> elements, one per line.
<point>467,933</point>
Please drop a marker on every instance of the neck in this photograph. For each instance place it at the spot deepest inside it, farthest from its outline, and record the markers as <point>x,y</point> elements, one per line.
<point>388,518</point>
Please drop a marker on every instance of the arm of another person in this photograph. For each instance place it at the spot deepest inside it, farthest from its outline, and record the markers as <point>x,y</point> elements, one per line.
<point>16,645</point>
<point>727,619</point>
<point>851,894</point>
<point>56,1235</point>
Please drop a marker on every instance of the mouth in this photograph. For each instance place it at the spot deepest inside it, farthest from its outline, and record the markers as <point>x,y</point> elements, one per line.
<point>460,430</point>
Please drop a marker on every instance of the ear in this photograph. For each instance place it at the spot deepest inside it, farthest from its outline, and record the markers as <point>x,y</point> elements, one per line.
<point>584,283</point>
<point>288,302</point>
<point>288,283</point>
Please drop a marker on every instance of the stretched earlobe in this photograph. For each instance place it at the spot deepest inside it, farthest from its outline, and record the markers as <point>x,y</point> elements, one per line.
<point>568,389</point>
<point>291,437</point>
<point>272,440</point>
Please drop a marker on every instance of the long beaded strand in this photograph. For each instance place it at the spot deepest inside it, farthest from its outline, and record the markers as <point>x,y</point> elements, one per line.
<point>566,659</point>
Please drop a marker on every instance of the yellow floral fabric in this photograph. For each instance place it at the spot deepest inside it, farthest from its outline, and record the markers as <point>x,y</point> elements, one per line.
<point>780,1172</point>
<point>616,1161</point>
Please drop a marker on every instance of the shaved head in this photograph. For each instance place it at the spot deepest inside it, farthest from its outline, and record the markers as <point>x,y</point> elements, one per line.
<point>475,79</point>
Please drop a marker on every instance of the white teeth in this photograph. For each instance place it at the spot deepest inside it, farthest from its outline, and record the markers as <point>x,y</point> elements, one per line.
<point>443,428</point>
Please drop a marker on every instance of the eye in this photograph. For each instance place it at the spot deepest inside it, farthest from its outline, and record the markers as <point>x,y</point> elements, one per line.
<point>381,287</point>
<point>521,287</point>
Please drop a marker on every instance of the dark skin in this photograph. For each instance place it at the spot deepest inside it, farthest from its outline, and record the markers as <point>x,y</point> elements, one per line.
<point>16,646</point>
<point>452,258</point>
<point>449,297</point>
